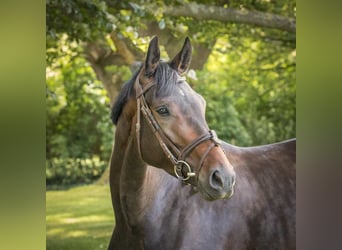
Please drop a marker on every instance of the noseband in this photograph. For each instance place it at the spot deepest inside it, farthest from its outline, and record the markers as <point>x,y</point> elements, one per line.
<point>175,155</point>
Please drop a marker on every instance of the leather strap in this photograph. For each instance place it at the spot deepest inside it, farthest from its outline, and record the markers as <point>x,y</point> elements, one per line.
<point>176,156</point>
<point>188,149</point>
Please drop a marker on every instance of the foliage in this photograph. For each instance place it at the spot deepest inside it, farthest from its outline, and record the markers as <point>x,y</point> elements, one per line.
<point>82,20</point>
<point>250,91</point>
<point>79,218</point>
<point>248,80</point>
<point>78,129</point>
<point>85,20</point>
<point>221,115</point>
<point>78,124</point>
<point>68,171</point>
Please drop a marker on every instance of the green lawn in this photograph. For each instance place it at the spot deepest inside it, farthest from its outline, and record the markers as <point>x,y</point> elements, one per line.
<point>79,218</point>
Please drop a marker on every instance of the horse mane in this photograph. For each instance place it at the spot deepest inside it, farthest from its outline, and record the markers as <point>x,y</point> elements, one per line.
<point>126,92</point>
<point>165,77</point>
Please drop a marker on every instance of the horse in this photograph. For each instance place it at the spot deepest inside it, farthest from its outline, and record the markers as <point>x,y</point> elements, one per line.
<point>175,185</point>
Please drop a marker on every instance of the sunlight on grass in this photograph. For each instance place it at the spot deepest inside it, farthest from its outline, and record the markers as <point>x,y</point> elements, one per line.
<point>77,234</point>
<point>79,218</point>
<point>95,218</point>
<point>55,231</point>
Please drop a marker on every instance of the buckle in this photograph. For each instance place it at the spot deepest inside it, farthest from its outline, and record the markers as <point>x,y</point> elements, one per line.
<point>214,137</point>
<point>178,170</point>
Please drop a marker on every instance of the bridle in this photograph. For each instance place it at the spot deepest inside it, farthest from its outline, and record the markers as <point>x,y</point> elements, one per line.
<point>173,153</point>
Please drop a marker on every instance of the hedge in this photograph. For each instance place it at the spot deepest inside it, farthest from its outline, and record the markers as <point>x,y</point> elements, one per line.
<point>68,171</point>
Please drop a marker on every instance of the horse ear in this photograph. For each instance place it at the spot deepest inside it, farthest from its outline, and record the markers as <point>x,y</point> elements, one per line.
<point>182,60</point>
<point>152,57</point>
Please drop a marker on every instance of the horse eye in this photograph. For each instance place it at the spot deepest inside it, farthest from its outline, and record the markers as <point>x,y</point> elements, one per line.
<point>163,111</point>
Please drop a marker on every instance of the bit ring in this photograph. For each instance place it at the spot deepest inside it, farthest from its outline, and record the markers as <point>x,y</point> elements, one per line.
<point>178,170</point>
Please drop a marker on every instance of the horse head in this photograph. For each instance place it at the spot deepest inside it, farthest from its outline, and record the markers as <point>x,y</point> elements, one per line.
<point>171,129</point>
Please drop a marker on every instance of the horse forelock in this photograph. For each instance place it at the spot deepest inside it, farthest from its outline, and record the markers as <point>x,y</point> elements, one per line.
<point>166,79</point>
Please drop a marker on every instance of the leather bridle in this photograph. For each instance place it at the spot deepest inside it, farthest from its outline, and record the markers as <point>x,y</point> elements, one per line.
<point>173,153</point>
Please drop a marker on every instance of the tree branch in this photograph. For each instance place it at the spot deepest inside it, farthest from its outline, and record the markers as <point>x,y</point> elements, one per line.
<point>100,55</point>
<point>205,12</point>
<point>172,44</point>
<point>122,49</point>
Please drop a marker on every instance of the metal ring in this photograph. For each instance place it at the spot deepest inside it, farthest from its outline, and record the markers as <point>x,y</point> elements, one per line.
<point>177,168</point>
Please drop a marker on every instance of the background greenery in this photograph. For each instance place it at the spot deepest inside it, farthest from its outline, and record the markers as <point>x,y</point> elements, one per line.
<point>246,72</point>
<point>79,218</point>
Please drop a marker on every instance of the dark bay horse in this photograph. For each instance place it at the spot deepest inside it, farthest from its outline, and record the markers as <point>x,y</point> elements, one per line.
<point>238,198</point>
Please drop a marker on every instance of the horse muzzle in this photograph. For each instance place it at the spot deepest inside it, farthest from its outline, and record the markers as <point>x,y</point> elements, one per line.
<point>217,183</point>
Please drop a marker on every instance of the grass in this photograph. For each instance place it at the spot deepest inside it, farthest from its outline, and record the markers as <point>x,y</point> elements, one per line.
<point>79,218</point>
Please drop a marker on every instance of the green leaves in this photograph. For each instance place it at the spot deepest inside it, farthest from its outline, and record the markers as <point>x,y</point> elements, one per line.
<point>78,124</point>
<point>248,80</point>
<point>250,90</point>
<point>81,20</point>
<point>68,171</point>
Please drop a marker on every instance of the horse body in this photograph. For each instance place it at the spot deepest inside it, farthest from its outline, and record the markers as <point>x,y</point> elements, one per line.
<point>171,215</point>
<point>154,210</point>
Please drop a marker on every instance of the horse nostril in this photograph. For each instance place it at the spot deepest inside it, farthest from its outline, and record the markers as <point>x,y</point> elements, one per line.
<point>216,180</point>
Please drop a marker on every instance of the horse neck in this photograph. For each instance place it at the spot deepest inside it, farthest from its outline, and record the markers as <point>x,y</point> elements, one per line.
<point>122,134</point>
<point>269,169</point>
<point>134,174</point>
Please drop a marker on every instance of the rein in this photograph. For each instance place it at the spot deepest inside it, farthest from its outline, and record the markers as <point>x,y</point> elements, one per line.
<point>175,155</point>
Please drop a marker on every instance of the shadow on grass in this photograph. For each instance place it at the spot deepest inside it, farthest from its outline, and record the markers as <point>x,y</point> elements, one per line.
<point>93,235</point>
<point>84,242</point>
<point>79,218</point>
<point>63,187</point>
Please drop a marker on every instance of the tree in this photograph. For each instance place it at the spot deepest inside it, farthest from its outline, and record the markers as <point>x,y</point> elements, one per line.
<point>89,21</point>
<point>246,47</point>
<point>204,12</point>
